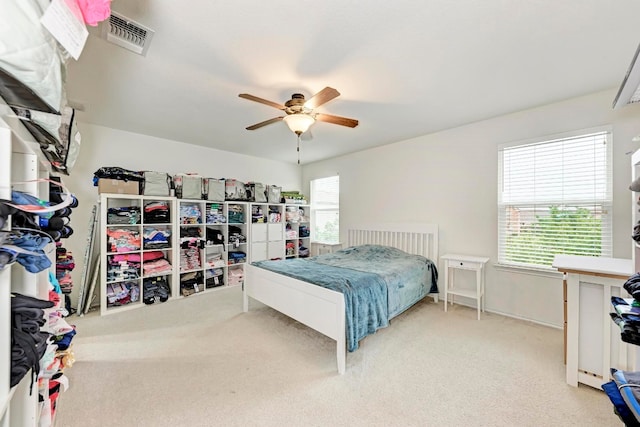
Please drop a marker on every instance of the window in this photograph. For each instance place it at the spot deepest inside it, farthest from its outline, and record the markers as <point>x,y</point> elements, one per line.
<point>325,210</point>
<point>555,197</point>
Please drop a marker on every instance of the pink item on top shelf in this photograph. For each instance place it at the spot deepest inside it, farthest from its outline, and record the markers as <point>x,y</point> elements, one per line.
<point>94,11</point>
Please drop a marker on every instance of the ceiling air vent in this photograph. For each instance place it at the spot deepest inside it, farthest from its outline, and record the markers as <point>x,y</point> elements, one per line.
<point>629,92</point>
<point>128,34</point>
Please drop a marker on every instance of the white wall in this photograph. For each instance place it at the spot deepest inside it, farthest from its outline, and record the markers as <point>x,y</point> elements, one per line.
<point>103,146</point>
<point>450,178</point>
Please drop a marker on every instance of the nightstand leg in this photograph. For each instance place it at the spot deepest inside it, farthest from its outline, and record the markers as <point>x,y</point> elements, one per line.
<point>446,284</point>
<point>484,295</point>
<point>478,291</point>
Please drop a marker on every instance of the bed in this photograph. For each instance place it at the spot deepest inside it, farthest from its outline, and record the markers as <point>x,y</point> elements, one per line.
<point>325,309</point>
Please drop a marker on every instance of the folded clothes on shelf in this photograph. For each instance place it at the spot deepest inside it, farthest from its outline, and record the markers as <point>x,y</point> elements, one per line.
<point>624,392</point>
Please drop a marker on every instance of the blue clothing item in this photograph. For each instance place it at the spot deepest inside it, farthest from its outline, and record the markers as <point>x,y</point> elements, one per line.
<point>54,282</point>
<point>7,257</point>
<point>20,198</point>
<point>64,341</point>
<point>33,263</point>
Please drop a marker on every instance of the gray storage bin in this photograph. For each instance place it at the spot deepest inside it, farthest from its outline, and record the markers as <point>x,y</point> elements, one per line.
<point>214,189</point>
<point>256,192</point>
<point>156,184</point>
<point>235,190</point>
<point>188,186</point>
<point>273,193</point>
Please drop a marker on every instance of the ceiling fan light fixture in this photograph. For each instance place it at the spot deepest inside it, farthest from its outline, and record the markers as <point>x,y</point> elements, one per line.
<point>299,123</point>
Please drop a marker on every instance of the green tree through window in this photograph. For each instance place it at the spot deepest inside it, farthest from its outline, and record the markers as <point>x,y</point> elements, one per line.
<point>563,231</point>
<point>555,197</point>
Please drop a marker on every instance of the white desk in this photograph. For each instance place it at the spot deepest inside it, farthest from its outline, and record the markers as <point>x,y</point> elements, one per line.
<point>464,262</point>
<point>592,338</point>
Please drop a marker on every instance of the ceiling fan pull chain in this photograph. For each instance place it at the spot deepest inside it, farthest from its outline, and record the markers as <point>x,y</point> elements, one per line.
<point>298,148</point>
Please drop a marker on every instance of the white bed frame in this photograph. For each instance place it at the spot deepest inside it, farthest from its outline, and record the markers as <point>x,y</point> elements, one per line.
<point>323,309</point>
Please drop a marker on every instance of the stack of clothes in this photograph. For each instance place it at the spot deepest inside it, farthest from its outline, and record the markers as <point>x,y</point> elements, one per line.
<point>155,264</point>
<point>235,235</point>
<point>157,213</point>
<point>624,390</point>
<point>156,238</point>
<point>214,277</point>
<point>237,257</point>
<point>155,289</point>
<point>122,240</point>
<point>627,311</point>
<point>191,283</point>
<point>303,251</point>
<point>115,172</point>
<point>190,253</point>
<point>236,214</point>
<point>214,214</point>
<point>190,214</point>
<point>64,265</point>
<point>235,277</point>
<point>122,293</point>
<point>123,215</point>
<point>28,341</point>
<point>123,267</point>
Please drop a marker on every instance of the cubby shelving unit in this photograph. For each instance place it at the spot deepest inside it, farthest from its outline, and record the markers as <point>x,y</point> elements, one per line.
<point>267,231</point>
<point>297,231</point>
<point>123,250</point>
<point>213,245</point>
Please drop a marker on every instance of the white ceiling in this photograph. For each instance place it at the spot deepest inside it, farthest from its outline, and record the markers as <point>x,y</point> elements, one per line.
<point>404,68</point>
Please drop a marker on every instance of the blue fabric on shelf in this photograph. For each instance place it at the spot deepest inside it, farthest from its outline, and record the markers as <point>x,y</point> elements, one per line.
<point>629,386</point>
<point>620,407</point>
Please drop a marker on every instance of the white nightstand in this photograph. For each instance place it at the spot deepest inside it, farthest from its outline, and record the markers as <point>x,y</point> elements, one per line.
<point>464,262</point>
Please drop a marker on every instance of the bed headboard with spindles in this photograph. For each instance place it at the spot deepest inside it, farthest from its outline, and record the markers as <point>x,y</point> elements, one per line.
<point>418,239</point>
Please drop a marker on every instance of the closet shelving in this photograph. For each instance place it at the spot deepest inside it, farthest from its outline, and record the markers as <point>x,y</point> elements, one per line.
<point>20,160</point>
<point>635,203</point>
<point>267,231</point>
<point>128,226</point>
<point>213,244</point>
<point>297,231</point>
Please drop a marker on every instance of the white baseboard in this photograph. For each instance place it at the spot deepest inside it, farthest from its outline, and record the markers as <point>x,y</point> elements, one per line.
<point>513,316</point>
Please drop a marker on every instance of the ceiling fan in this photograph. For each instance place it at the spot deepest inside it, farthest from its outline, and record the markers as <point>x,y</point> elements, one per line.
<point>300,114</point>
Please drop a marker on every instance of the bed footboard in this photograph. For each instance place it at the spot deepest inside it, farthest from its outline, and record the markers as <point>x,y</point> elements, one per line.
<point>314,306</point>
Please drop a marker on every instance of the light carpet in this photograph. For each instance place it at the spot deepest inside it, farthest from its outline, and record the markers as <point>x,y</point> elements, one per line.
<point>201,361</point>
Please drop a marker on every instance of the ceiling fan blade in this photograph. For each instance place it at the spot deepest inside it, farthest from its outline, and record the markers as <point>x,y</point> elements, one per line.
<point>337,120</point>
<point>262,101</point>
<point>266,122</point>
<point>322,97</point>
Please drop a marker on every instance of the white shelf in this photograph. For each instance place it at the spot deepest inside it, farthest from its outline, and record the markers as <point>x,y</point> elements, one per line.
<point>221,249</point>
<point>298,216</point>
<point>463,293</point>
<point>125,200</point>
<point>20,160</point>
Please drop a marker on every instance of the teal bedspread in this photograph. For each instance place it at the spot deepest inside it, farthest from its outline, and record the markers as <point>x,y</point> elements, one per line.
<point>378,283</point>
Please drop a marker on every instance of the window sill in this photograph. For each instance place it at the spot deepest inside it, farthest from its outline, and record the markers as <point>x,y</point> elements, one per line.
<point>542,272</point>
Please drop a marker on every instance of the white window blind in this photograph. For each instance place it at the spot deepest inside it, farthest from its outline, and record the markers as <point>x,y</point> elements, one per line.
<point>555,197</point>
<point>325,209</point>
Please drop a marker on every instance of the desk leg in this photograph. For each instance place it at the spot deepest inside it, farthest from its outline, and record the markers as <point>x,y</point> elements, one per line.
<point>573,317</point>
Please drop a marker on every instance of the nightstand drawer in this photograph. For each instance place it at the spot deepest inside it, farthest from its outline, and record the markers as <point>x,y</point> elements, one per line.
<point>465,265</point>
